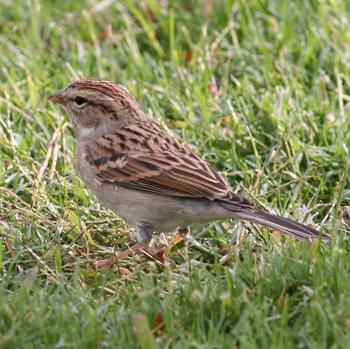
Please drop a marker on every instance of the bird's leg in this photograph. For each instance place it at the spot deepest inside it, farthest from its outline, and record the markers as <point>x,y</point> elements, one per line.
<point>144,233</point>
<point>183,231</point>
<point>144,236</point>
<point>183,234</point>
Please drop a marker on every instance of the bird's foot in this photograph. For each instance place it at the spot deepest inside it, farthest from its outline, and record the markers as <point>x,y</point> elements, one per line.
<point>143,248</point>
<point>110,262</point>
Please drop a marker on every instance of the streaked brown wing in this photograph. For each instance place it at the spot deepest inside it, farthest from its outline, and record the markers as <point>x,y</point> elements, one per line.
<point>144,157</point>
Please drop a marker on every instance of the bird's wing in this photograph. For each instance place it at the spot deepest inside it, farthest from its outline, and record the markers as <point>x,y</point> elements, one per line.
<point>143,157</point>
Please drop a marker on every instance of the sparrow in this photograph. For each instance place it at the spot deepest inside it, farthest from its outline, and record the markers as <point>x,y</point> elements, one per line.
<point>145,175</point>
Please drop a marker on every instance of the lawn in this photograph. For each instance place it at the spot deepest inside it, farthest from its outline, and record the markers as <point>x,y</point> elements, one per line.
<point>261,90</point>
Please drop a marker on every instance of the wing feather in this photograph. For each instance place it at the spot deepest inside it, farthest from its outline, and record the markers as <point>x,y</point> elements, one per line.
<point>143,157</point>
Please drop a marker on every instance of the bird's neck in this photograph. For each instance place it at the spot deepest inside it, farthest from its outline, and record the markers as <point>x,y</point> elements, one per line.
<point>86,133</point>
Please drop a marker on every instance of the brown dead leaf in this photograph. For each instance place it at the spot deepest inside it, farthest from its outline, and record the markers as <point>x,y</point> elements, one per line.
<point>188,58</point>
<point>281,303</point>
<point>224,250</point>
<point>159,324</point>
<point>176,239</point>
<point>125,273</point>
<point>160,254</point>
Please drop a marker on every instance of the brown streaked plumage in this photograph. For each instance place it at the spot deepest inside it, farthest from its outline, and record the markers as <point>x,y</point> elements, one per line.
<point>152,162</point>
<point>144,174</point>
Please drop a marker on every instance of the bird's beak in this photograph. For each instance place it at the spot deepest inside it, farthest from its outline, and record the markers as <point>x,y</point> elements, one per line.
<point>57,98</point>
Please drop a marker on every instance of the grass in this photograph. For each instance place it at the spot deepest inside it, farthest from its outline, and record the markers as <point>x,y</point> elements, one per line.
<point>260,89</point>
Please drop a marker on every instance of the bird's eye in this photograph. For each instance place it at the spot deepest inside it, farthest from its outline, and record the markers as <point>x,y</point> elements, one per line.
<point>80,100</point>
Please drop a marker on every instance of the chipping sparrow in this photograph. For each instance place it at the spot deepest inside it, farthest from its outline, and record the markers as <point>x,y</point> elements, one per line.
<point>145,175</point>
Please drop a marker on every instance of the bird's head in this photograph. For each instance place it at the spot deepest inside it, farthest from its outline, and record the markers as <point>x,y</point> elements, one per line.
<point>93,102</point>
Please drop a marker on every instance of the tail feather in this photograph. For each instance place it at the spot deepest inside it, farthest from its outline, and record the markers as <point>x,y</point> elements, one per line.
<point>294,229</point>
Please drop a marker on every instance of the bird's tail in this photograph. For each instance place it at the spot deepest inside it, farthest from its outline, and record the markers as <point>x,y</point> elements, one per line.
<point>294,229</point>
